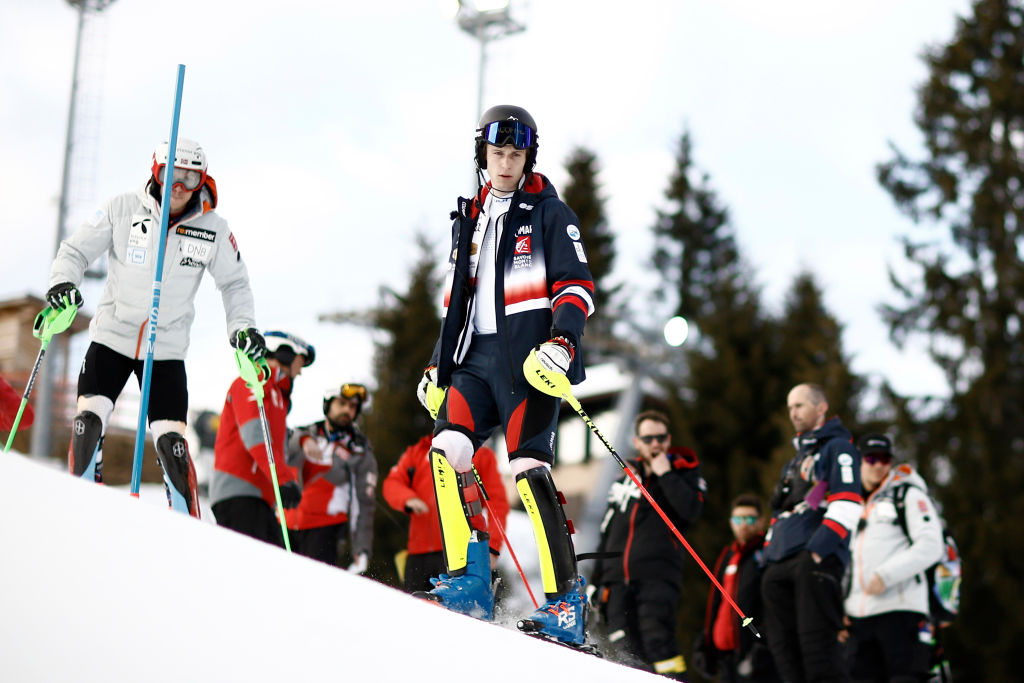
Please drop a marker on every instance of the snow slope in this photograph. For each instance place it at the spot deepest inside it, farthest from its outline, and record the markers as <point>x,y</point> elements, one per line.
<point>97,586</point>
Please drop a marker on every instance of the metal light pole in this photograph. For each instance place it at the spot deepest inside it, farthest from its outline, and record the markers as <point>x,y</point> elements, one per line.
<point>41,441</point>
<point>486,20</point>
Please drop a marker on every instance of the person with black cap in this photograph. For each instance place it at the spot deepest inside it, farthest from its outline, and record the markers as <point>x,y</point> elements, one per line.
<point>898,537</point>
<point>339,475</point>
<point>518,290</point>
<point>241,487</point>
<point>126,228</point>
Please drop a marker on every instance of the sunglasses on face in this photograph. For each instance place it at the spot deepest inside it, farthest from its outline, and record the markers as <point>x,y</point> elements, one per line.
<point>501,133</point>
<point>189,178</point>
<point>740,520</point>
<point>877,458</point>
<point>651,438</point>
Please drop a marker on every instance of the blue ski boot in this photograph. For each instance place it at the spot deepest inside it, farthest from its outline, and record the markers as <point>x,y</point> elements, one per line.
<point>471,591</point>
<point>561,619</point>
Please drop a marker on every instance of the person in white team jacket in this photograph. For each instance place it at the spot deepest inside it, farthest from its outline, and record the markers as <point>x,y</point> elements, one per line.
<point>887,606</point>
<point>198,240</point>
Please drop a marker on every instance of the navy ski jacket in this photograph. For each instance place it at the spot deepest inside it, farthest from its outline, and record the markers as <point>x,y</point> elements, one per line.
<point>543,287</point>
<point>818,501</point>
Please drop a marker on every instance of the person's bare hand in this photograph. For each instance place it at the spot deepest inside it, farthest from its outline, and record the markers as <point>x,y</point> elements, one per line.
<point>875,586</point>
<point>416,506</point>
<point>660,464</point>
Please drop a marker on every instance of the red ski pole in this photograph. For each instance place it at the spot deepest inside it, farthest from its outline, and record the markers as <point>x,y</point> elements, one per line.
<point>555,384</point>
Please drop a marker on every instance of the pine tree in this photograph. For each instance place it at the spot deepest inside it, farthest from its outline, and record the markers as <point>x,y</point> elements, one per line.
<point>396,419</point>
<point>583,195</point>
<point>964,297</point>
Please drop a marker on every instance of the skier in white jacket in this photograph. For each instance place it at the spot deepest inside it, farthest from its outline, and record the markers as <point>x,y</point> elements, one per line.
<point>887,606</point>
<point>198,240</point>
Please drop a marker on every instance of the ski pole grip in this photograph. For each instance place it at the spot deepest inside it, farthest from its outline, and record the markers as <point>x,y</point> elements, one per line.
<point>51,321</point>
<point>255,373</point>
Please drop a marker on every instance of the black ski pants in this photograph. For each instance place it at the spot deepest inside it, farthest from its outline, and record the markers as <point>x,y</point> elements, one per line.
<point>803,613</point>
<point>888,648</point>
<point>645,612</point>
<point>420,567</point>
<point>251,516</point>
<point>320,543</point>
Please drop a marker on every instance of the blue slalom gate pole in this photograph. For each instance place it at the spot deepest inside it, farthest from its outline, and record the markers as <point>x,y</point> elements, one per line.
<point>154,311</point>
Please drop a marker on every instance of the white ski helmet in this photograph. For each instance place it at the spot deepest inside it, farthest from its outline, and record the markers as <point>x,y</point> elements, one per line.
<point>284,347</point>
<point>189,156</point>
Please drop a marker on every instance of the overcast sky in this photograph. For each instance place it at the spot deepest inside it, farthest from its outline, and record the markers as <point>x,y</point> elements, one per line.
<point>336,130</point>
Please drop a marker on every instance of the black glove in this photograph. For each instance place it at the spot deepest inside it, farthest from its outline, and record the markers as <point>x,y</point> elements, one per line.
<point>250,342</point>
<point>57,294</point>
<point>291,494</point>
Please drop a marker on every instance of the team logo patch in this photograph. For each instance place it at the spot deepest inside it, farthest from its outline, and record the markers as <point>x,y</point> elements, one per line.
<point>190,262</point>
<point>526,207</point>
<point>199,234</point>
<point>845,459</point>
<point>580,254</point>
<point>523,244</point>
<point>572,231</point>
<point>137,256</point>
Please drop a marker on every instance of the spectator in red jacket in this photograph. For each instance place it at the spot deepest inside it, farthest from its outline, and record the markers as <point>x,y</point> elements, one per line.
<point>241,490</point>
<point>409,488</point>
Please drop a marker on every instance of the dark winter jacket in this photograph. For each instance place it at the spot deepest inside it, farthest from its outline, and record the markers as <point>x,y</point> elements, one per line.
<point>543,287</point>
<point>633,527</point>
<point>817,501</point>
<point>748,597</point>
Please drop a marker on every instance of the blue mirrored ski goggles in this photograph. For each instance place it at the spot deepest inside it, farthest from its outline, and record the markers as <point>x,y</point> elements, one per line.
<point>501,133</point>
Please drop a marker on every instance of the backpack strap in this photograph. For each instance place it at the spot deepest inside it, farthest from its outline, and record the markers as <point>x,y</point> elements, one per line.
<point>899,499</point>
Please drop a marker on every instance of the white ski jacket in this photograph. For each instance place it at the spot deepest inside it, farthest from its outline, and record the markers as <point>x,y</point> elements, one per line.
<point>879,546</point>
<point>125,228</point>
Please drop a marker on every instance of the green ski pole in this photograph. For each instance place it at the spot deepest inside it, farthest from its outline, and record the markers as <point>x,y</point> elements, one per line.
<point>48,322</point>
<point>255,373</point>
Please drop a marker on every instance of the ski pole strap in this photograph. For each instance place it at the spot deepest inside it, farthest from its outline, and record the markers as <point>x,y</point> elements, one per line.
<point>255,373</point>
<point>51,321</point>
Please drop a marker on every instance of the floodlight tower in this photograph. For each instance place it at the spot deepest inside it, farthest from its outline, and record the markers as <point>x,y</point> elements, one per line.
<point>486,20</point>
<point>56,362</point>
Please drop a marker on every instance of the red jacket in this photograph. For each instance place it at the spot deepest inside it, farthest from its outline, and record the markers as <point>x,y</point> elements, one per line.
<point>411,478</point>
<point>241,467</point>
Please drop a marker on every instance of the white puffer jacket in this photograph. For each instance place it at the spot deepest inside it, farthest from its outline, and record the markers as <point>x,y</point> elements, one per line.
<point>879,546</point>
<point>126,229</point>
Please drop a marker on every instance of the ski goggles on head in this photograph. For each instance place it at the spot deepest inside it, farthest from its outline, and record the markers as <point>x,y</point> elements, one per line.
<point>189,178</point>
<point>353,391</point>
<point>501,133</point>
